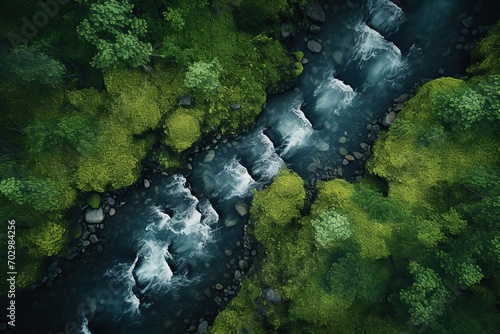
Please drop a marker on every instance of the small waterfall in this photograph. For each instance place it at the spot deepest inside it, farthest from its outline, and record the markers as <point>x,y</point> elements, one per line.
<point>385,16</point>
<point>381,59</point>
<point>153,271</point>
<point>123,273</point>
<point>333,94</point>
<point>269,163</point>
<point>240,182</point>
<point>294,128</point>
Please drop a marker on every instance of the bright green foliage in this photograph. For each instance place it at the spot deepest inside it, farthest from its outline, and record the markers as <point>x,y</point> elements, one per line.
<point>331,227</point>
<point>174,18</point>
<point>426,297</point>
<point>279,204</point>
<point>47,239</point>
<point>41,194</point>
<point>471,103</point>
<point>25,65</point>
<point>487,53</point>
<point>182,130</point>
<point>94,200</point>
<point>115,33</point>
<point>134,100</point>
<point>203,77</point>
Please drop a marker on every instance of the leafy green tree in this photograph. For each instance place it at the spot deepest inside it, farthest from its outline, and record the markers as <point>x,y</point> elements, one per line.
<point>353,276</point>
<point>115,32</point>
<point>23,65</point>
<point>203,77</point>
<point>426,297</point>
<point>49,134</point>
<point>331,227</point>
<point>42,195</point>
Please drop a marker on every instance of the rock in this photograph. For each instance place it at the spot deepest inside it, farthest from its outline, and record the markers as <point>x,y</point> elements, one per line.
<point>459,47</point>
<point>314,11</point>
<point>241,208</point>
<point>287,29</point>
<point>349,158</point>
<point>99,248</point>
<point>468,22</point>
<point>304,61</point>
<point>314,29</point>
<point>185,100</point>
<point>322,146</point>
<point>237,275</point>
<point>441,71</point>
<point>338,56</point>
<point>243,264</point>
<point>342,140</point>
<point>85,243</point>
<point>210,156</point>
<point>235,106</point>
<point>398,107</point>
<point>189,166</point>
<point>345,162</point>
<point>228,252</point>
<point>363,146</point>
<point>358,155</point>
<point>314,46</point>
<point>202,327</point>
<point>93,239</point>
<point>111,201</point>
<point>402,98</point>
<point>343,151</point>
<point>85,235</point>
<point>271,296</point>
<point>147,184</point>
<point>219,286</point>
<point>389,119</point>
<point>230,221</point>
<point>112,212</point>
<point>94,216</point>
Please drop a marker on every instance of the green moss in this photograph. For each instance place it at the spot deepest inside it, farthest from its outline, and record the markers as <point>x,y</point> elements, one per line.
<point>486,54</point>
<point>182,130</point>
<point>94,200</point>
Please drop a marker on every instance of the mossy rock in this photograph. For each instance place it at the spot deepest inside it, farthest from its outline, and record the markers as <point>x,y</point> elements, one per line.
<point>94,200</point>
<point>182,130</point>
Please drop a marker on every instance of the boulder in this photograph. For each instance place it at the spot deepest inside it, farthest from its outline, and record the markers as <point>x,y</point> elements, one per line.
<point>343,151</point>
<point>210,156</point>
<point>271,296</point>
<point>342,140</point>
<point>93,239</point>
<point>389,119</point>
<point>314,29</point>
<point>112,212</point>
<point>202,327</point>
<point>185,100</point>
<point>111,200</point>
<point>237,275</point>
<point>94,216</point>
<point>402,98</point>
<point>349,158</point>
<point>241,208</point>
<point>357,155</point>
<point>314,46</point>
<point>314,11</point>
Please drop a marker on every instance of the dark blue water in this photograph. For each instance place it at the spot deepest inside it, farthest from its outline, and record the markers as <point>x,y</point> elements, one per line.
<point>169,244</point>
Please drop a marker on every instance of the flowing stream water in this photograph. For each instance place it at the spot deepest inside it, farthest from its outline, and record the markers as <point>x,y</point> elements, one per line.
<point>169,245</point>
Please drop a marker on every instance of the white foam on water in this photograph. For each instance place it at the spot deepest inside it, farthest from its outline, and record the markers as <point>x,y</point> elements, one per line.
<point>153,269</point>
<point>85,327</point>
<point>384,58</point>
<point>123,273</point>
<point>385,16</point>
<point>269,162</point>
<point>294,127</point>
<point>240,181</point>
<point>333,94</point>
